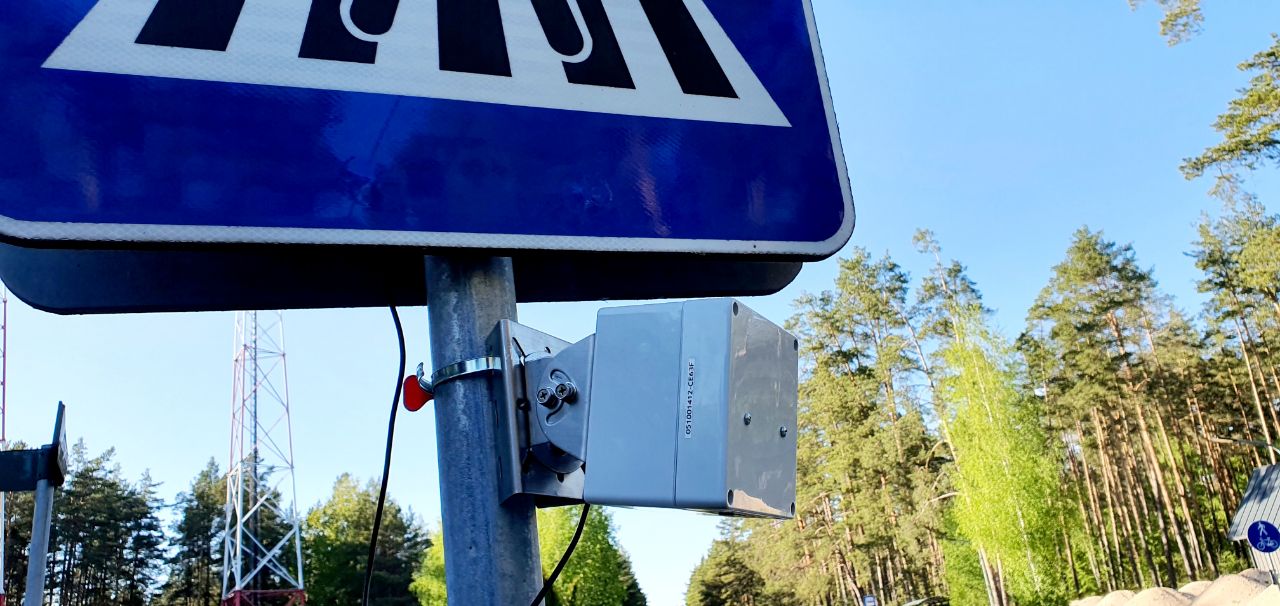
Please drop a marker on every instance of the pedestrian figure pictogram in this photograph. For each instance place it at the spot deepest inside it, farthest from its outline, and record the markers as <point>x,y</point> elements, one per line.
<point>1264,537</point>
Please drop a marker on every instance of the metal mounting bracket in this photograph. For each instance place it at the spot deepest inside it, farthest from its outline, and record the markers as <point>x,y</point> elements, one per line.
<point>543,400</point>
<point>457,370</point>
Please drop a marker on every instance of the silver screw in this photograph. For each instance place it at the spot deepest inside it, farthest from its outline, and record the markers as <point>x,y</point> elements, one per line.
<point>544,395</point>
<point>565,391</point>
<point>782,431</point>
<point>746,419</point>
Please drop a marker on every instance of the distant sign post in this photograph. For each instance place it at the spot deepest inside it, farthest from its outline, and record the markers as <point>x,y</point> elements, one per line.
<point>1252,520</point>
<point>38,470</point>
<point>870,600</point>
<point>142,134</point>
<point>1263,536</point>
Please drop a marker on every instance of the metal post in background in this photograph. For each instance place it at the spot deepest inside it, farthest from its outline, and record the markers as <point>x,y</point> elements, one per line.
<point>52,455</point>
<point>40,523</point>
<point>491,549</point>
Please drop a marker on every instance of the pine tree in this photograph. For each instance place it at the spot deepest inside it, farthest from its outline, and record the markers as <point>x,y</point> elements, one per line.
<point>724,578</point>
<point>598,571</point>
<point>634,594</point>
<point>868,519</point>
<point>195,568</point>
<point>19,507</point>
<point>106,546</point>
<point>1250,127</point>
<point>594,574</point>
<point>336,547</point>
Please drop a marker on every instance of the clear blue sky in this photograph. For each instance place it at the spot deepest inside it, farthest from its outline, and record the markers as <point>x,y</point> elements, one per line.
<point>1002,126</point>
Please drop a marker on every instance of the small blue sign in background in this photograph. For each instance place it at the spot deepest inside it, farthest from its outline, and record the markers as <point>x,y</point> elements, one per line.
<point>1264,536</point>
<point>869,600</point>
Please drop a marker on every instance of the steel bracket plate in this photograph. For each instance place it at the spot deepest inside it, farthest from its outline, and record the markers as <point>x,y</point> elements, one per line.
<point>519,471</point>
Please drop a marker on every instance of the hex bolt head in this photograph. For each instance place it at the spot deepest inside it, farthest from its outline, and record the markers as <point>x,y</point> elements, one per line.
<point>746,419</point>
<point>782,431</point>
<point>544,396</point>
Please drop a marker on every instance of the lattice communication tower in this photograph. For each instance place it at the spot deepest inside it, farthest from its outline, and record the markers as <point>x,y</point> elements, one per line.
<point>262,545</point>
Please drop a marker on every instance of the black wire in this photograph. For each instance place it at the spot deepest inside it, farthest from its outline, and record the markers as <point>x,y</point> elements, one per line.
<point>386,461</point>
<point>564,559</point>
<point>386,472</point>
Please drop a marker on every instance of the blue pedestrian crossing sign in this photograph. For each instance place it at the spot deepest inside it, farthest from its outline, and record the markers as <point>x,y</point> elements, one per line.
<point>1264,537</point>
<point>682,126</point>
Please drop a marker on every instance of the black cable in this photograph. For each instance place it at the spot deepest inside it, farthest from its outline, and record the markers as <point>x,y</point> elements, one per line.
<point>564,559</point>
<point>386,462</point>
<point>386,473</point>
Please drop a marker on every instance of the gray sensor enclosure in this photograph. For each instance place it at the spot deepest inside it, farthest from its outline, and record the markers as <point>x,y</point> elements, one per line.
<point>692,406</point>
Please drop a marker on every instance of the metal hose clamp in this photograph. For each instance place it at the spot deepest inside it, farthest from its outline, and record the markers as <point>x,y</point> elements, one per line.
<point>457,370</point>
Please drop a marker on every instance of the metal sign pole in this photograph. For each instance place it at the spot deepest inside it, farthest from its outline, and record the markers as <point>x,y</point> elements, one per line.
<point>491,549</point>
<point>52,456</point>
<point>39,543</point>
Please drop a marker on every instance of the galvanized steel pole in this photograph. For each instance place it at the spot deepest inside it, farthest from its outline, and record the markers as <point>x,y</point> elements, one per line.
<point>491,549</point>
<point>42,519</point>
<point>39,550</point>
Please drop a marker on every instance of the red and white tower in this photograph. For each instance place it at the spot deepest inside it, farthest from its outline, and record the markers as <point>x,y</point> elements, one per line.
<point>262,545</point>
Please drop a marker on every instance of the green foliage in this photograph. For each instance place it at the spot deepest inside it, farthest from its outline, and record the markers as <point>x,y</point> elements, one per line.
<point>1238,252</point>
<point>1005,474</point>
<point>597,574</point>
<point>107,542</point>
<point>593,575</point>
<point>1182,19</point>
<point>336,546</point>
<point>195,568</point>
<point>18,509</point>
<point>1250,127</point>
<point>965,584</point>
<point>868,483</point>
<point>635,595</point>
<point>428,581</point>
<point>724,578</point>
<point>1079,463</point>
<point>1095,296</point>
<point>1260,261</point>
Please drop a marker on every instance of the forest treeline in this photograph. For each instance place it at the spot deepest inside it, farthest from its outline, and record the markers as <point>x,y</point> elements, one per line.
<point>114,542</point>
<point>1105,447</point>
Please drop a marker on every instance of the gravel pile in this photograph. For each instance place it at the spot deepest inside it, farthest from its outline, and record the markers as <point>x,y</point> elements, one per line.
<point>1230,590</point>
<point>1116,598</point>
<point>1267,597</point>
<point>1250,587</point>
<point>1195,588</point>
<point>1160,596</point>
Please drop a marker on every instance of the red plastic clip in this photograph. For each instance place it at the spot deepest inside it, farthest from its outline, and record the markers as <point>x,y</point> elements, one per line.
<point>415,397</point>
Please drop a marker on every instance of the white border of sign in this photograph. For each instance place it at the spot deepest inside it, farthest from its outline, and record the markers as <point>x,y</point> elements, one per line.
<point>202,234</point>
